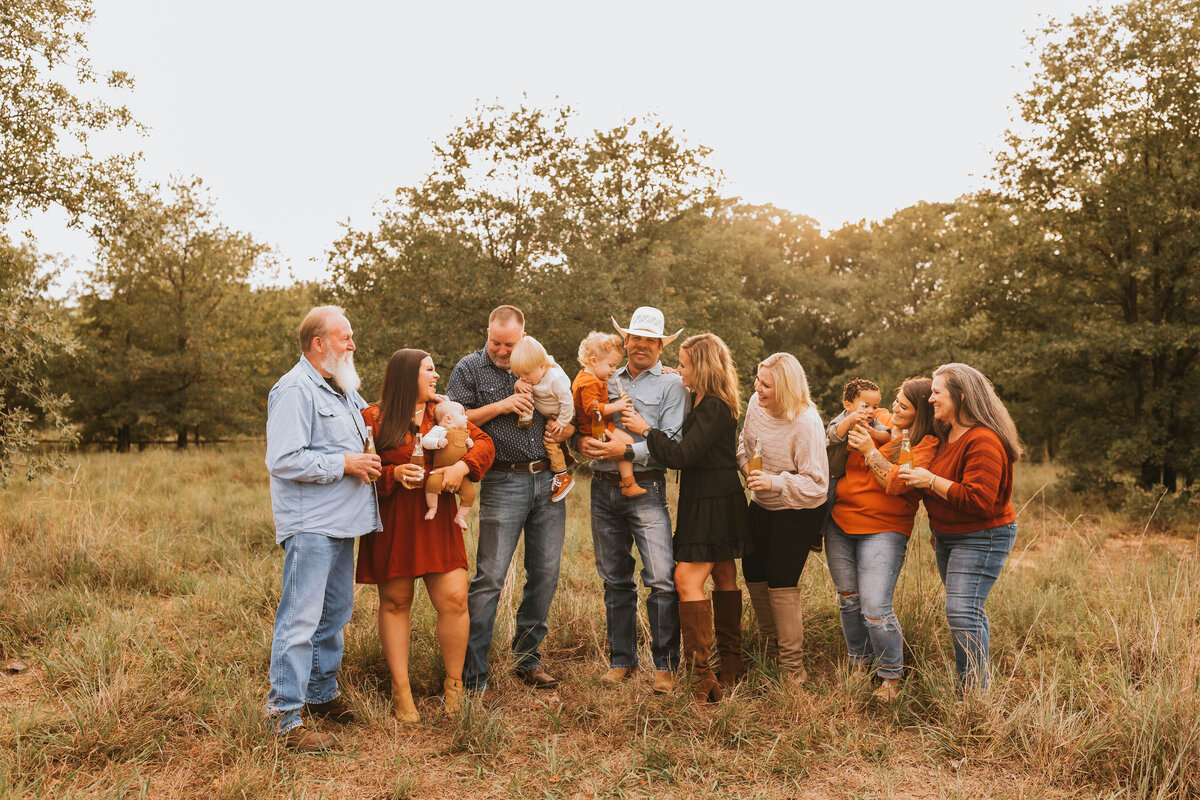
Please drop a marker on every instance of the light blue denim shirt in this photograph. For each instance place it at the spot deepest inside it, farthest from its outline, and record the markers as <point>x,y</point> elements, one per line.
<point>661,400</point>
<point>310,427</point>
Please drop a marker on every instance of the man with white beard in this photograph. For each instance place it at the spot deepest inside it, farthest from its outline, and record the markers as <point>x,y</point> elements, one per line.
<point>323,498</point>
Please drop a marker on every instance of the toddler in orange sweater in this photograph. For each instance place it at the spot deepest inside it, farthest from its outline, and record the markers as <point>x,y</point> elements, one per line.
<point>600,355</point>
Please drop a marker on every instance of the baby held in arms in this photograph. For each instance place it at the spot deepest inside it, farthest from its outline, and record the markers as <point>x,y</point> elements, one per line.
<point>449,442</point>
<point>600,356</point>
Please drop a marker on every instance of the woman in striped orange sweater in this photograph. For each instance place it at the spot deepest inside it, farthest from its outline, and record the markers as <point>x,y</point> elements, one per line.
<point>968,494</point>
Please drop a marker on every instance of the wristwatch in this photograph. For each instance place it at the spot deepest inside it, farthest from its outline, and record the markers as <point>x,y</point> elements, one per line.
<point>628,453</point>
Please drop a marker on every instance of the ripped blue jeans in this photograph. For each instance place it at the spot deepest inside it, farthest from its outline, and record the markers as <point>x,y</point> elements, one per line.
<point>864,569</point>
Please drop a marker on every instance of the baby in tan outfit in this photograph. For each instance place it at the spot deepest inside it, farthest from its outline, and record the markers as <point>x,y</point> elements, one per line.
<point>449,442</point>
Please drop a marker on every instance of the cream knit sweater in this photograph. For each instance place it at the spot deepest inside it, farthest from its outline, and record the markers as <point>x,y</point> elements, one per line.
<point>793,455</point>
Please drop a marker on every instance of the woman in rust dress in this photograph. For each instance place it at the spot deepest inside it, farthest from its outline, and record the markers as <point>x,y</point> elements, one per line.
<point>411,547</point>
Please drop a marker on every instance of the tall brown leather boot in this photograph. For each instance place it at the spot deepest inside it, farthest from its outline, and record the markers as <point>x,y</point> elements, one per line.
<point>760,600</point>
<point>695,627</point>
<point>727,620</point>
<point>788,606</point>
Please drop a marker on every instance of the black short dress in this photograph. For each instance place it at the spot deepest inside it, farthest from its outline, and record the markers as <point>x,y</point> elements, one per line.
<point>711,521</point>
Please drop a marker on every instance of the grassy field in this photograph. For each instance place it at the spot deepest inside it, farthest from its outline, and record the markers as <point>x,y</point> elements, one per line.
<point>140,590</point>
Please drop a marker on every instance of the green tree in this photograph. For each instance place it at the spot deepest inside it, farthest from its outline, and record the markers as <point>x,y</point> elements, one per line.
<point>520,209</point>
<point>1106,163</point>
<point>46,121</point>
<point>164,321</point>
<point>32,337</point>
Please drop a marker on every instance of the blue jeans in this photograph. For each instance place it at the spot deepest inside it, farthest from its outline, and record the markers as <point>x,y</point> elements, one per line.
<point>508,503</point>
<point>864,569</point>
<point>619,522</point>
<point>969,564</point>
<point>317,600</point>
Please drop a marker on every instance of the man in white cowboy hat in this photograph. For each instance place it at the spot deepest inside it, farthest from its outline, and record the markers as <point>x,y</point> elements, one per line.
<point>619,522</point>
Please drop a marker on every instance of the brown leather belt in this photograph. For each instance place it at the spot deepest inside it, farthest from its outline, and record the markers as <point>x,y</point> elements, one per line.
<point>614,477</point>
<point>532,467</point>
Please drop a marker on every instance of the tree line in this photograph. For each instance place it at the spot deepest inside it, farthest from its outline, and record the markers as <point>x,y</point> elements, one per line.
<point>1072,282</point>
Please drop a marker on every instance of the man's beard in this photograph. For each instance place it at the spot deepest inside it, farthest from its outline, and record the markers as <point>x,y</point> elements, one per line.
<point>342,369</point>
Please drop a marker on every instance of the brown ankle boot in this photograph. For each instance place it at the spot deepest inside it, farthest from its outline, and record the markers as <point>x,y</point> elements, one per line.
<point>760,600</point>
<point>402,703</point>
<point>727,620</point>
<point>630,488</point>
<point>453,689</point>
<point>695,627</point>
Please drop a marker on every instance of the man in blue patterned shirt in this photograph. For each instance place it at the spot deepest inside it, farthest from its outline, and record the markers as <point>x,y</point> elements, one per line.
<point>515,495</point>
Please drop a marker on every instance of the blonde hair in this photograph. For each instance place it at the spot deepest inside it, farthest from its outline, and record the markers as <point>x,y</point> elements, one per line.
<point>527,355</point>
<point>598,345</point>
<point>713,370</point>
<point>791,384</point>
<point>976,403</point>
<point>448,407</point>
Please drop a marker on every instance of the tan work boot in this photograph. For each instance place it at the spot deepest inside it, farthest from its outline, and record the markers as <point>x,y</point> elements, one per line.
<point>888,691</point>
<point>302,740</point>
<point>664,681</point>
<point>616,676</point>
<point>403,707</point>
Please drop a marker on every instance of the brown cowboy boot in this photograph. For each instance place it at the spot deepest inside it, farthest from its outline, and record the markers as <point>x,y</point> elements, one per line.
<point>695,627</point>
<point>727,619</point>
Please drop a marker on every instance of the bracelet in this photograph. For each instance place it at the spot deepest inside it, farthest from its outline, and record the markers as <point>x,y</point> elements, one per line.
<point>932,478</point>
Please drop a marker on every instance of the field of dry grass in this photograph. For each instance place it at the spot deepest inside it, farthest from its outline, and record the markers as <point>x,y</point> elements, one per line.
<point>140,591</point>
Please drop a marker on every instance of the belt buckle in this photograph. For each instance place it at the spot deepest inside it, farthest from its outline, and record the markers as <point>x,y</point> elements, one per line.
<point>529,468</point>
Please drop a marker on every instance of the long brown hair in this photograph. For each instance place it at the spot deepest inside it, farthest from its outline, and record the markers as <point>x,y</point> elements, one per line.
<point>398,398</point>
<point>916,391</point>
<point>713,370</point>
<point>976,403</point>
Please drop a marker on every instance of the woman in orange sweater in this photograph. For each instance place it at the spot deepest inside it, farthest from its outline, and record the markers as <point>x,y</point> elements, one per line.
<point>867,536</point>
<point>968,494</point>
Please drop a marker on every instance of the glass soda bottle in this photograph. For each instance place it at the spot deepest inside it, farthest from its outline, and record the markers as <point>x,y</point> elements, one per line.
<point>369,447</point>
<point>906,456</point>
<point>599,429</point>
<point>418,454</point>
<point>755,462</point>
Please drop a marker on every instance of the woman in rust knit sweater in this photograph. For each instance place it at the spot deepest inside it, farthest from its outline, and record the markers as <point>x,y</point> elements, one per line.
<point>968,494</point>
<point>410,546</point>
<point>866,537</point>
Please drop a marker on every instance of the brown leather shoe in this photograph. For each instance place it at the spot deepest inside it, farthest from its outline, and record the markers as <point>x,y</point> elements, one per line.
<point>334,710</point>
<point>303,740</point>
<point>538,678</point>
<point>617,676</point>
<point>664,681</point>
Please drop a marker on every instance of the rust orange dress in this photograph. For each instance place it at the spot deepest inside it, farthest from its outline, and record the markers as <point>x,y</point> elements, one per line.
<point>409,545</point>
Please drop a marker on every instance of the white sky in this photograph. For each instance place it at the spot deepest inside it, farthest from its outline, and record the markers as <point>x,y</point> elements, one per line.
<point>300,115</point>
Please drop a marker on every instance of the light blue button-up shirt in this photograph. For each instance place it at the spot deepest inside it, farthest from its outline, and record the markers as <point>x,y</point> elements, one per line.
<point>310,427</point>
<point>662,401</point>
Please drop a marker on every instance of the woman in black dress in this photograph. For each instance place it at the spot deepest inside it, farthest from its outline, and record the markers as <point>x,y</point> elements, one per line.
<point>711,524</point>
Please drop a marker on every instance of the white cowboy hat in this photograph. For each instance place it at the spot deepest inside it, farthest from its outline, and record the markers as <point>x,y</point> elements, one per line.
<point>647,321</point>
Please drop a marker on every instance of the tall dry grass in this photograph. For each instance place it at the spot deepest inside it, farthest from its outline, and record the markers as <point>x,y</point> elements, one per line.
<point>142,592</point>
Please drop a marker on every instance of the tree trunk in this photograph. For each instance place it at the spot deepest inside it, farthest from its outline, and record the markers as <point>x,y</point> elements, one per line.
<point>124,439</point>
<point>181,438</point>
<point>196,436</point>
<point>1170,478</point>
<point>1151,475</point>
